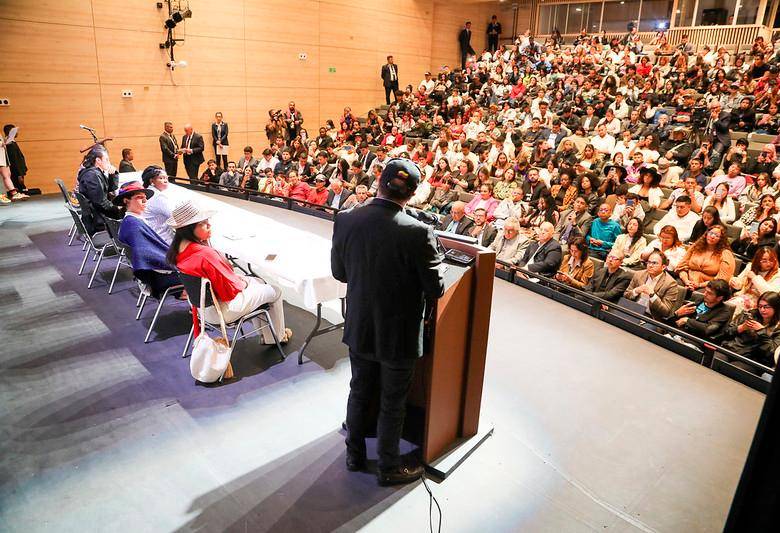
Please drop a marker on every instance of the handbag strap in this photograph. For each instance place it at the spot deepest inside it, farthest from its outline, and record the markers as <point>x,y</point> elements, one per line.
<point>219,312</point>
<point>203,282</point>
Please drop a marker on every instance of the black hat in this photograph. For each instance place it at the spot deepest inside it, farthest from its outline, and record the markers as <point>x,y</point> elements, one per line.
<point>151,172</point>
<point>623,172</point>
<point>652,170</point>
<point>400,175</point>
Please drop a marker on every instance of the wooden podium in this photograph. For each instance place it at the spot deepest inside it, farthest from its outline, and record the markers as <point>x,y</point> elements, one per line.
<point>444,403</point>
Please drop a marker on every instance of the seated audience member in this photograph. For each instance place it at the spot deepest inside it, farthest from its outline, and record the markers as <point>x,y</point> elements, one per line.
<point>464,178</point>
<point>631,243</point>
<point>97,180</point>
<point>577,268</point>
<point>237,295</point>
<point>575,221</point>
<point>267,161</point>
<point>721,201</point>
<point>265,181</point>
<point>669,243</point>
<point>212,172</point>
<point>337,194</point>
<point>126,164</point>
<point>482,230</point>
<point>543,210</point>
<point>231,177</point>
<point>764,209</point>
<point>682,218</point>
<point>159,205</point>
<point>610,282</point>
<point>357,176</point>
<point>709,218</point>
<point>248,180</point>
<point>247,160</point>
<point>655,288</point>
<point>484,200</point>
<point>759,276</point>
<point>358,199</point>
<point>148,248</point>
<point>690,190</point>
<point>708,318</point>
<point>443,198</point>
<point>319,193</point>
<point>532,186</point>
<point>514,206</point>
<point>543,256</point>
<point>589,189</point>
<point>297,189</point>
<point>627,206</point>
<point>603,232</point>
<point>754,334</point>
<point>734,179</point>
<point>507,185</point>
<point>753,193</point>
<point>456,221</point>
<point>564,192</point>
<point>708,258</point>
<point>285,164</point>
<point>749,242</point>
<point>648,188</point>
<point>509,245</point>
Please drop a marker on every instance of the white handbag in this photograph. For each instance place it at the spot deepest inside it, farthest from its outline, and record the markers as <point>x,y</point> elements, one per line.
<point>210,357</point>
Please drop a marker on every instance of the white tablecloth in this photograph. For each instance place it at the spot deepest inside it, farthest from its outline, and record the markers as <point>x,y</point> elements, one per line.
<point>302,262</point>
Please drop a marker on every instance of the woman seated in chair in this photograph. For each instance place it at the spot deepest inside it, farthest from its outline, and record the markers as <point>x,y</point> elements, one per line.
<point>238,295</point>
<point>759,276</point>
<point>148,249</point>
<point>577,268</point>
<point>708,258</point>
<point>755,334</point>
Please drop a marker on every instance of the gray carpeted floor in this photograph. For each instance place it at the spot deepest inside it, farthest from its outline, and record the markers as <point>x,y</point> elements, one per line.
<point>595,429</point>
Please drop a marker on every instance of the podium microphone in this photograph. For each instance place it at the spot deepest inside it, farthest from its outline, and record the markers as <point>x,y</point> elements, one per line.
<point>83,127</point>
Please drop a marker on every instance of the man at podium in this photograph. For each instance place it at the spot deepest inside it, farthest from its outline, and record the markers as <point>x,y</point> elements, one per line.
<point>391,265</point>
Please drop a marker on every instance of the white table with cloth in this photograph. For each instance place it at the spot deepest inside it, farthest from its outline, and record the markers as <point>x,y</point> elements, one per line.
<point>279,252</point>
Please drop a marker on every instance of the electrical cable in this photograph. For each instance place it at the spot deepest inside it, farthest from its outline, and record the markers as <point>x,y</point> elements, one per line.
<point>432,500</point>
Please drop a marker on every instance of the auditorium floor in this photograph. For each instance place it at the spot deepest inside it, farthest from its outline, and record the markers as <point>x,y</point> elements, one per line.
<point>594,428</point>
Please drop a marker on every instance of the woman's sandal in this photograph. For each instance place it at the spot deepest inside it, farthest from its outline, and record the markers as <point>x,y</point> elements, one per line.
<point>288,334</point>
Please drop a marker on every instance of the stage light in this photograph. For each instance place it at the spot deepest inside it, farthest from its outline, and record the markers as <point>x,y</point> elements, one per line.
<point>170,23</point>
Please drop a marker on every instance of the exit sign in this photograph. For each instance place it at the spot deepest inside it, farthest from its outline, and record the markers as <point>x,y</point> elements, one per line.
<point>332,70</point>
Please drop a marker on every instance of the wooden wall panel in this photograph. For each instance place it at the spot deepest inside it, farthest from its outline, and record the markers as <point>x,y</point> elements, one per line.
<point>267,61</point>
<point>133,15</point>
<point>283,21</point>
<point>46,111</point>
<point>73,12</point>
<point>41,52</point>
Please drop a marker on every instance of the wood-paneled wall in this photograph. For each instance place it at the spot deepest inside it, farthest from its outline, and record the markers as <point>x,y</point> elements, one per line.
<point>66,62</point>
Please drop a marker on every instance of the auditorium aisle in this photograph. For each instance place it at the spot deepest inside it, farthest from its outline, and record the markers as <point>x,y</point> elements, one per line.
<point>594,429</point>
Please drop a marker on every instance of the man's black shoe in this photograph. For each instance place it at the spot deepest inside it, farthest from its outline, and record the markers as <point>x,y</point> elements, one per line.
<point>399,475</point>
<point>355,464</point>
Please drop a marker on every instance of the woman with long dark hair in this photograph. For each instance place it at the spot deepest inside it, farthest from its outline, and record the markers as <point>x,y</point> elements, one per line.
<point>759,276</point>
<point>577,268</point>
<point>755,334</point>
<point>237,295</point>
<point>708,258</point>
<point>97,181</point>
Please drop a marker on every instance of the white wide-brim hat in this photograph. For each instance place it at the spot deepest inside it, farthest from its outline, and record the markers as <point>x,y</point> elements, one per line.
<point>187,213</point>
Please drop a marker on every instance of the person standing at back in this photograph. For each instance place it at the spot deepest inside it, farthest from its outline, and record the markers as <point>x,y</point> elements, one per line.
<point>192,150</point>
<point>391,265</point>
<point>464,39</point>
<point>390,79</point>
<point>170,150</point>
<point>219,139</point>
<point>493,33</point>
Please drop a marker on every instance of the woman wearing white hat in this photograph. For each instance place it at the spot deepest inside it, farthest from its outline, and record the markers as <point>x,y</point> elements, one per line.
<point>238,295</point>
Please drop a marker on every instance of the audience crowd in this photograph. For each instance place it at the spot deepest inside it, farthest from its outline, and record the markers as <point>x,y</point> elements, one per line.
<point>616,167</point>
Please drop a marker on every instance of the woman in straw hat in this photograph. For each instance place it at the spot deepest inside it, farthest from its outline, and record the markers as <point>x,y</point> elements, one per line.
<point>238,295</point>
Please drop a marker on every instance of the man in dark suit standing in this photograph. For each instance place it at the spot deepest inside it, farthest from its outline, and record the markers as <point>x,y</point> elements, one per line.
<point>464,38</point>
<point>390,79</point>
<point>170,150</point>
<point>192,150</point>
<point>493,33</point>
<point>219,139</point>
<point>391,266</point>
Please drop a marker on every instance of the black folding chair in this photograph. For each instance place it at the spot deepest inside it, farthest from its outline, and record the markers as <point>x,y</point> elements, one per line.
<point>99,243</point>
<point>124,256</point>
<point>192,285</point>
<point>64,190</point>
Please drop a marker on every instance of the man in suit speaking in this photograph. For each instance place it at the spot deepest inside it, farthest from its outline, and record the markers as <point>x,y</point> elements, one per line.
<point>192,150</point>
<point>391,265</point>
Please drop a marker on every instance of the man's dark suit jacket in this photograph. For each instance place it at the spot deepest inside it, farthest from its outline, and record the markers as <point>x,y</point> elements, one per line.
<point>345,193</point>
<point>243,163</point>
<point>196,158</point>
<point>614,288</point>
<point>709,325</point>
<point>95,187</point>
<point>365,161</point>
<point>464,38</point>
<point>390,264</point>
<point>547,260</point>
<point>126,166</point>
<point>386,81</point>
<point>488,235</point>
<point>224,134</point>
<point>168,148</point>
<point>463,226</point>
<point>720,130</point>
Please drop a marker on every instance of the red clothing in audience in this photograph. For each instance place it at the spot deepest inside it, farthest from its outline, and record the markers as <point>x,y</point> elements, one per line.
<point>317,197</point>
<point>205,262</point>
<point>299,191</point>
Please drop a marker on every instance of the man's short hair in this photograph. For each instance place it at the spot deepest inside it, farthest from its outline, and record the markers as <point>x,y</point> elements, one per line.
<point>267,151</point>
<point>126,152</point>
<point>248,149</point>
<point>683,199</point>
<point>720,288</point>
<point>660,255</point>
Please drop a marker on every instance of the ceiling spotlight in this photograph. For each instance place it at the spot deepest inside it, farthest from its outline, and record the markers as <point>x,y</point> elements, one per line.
<point>177,16</point>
